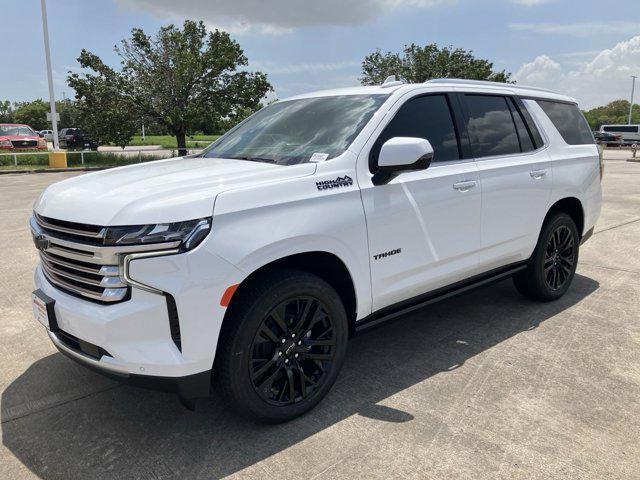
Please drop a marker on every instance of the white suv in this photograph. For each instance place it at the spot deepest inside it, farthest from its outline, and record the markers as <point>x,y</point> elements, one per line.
<point>248,267</point>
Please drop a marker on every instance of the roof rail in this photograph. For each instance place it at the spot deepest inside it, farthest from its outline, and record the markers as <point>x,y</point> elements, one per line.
<point>486,83</point>
<point>391,81</point>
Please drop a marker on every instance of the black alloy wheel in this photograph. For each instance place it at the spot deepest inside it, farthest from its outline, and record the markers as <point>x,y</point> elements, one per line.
<point>293,351</point>
<point>552,266</point>
<point>282,345</point>
<point>559,259</point>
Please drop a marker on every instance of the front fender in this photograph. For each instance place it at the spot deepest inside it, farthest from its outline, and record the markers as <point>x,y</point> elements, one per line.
<point>290,218</point>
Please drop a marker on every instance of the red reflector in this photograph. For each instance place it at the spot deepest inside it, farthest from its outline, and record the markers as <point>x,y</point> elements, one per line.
<point>228,293</point>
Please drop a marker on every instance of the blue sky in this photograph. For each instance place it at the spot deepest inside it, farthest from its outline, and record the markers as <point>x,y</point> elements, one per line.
<point>588,52</point>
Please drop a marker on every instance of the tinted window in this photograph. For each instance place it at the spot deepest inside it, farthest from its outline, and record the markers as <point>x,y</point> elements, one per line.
<point>491,128</point>
<point>569,121</point>
<point>533,130</point>
<point>526,144</point>
<point>426,117</point>
<point>621,128</point>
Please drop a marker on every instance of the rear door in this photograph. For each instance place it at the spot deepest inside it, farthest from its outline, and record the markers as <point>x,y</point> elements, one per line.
<point>515,175</point>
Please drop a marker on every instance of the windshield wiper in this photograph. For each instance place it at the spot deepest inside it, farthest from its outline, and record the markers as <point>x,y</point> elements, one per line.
<point>254,159</point>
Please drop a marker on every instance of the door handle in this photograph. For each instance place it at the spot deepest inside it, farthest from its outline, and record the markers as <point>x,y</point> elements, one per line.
<point>537,174</point>
<point>465,185</point>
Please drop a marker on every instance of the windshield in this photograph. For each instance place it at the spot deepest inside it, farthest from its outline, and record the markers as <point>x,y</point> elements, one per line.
<point>294,131</point>
<point>16,130</point>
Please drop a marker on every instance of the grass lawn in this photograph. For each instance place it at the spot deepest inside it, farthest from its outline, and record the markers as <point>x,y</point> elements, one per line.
<point>167,141</point>
<point>91,159</point>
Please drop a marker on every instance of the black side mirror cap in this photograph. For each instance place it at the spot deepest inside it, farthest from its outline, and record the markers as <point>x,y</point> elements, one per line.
<point>384,174</point>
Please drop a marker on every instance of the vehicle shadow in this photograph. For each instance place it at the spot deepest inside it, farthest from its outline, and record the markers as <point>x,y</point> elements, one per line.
<point>115,431</point>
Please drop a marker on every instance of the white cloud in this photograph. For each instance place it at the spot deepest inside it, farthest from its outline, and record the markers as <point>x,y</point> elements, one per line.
<point>584,29</point>
<point>542,70</point>
<point>605,77</point>
<point>275,16</point>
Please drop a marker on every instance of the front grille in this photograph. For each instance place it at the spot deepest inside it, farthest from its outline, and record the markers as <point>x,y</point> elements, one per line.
<point>73,259</point>
<point>24,143</point>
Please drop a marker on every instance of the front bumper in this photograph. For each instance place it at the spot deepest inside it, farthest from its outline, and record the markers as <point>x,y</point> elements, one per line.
<point>188,387</point>
<point>136,333</point>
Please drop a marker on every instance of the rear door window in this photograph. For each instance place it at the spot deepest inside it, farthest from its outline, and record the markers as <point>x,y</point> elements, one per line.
<point>569,121</point>
<point>526,143</point>
<point>490,126</point>
<point>427,117</point>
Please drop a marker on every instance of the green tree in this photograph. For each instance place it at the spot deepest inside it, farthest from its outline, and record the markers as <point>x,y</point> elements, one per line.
<point>6,112</point>
<point>176,78</point>
<point>33,114</point>
<point>616,113</point>
<point>106,107</point>
<point>416,64</point>
<point>69,114</point>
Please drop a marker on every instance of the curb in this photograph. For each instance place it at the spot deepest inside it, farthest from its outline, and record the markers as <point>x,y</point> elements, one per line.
<point>52,170</point>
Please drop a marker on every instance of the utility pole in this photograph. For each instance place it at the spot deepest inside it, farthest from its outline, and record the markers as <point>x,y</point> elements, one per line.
<point>47,52</point>
<point>633,87</point>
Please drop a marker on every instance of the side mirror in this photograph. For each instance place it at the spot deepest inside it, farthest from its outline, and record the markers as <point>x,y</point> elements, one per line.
<point>402,153</point>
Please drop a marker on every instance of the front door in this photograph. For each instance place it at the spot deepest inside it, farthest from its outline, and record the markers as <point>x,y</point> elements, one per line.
<point>423,226</point>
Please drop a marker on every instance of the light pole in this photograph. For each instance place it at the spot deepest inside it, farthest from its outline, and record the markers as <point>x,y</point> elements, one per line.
<point>633,87</point>
<point>47,52</point>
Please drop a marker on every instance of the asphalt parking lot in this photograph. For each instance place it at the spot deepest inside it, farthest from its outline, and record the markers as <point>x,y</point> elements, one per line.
<point>484,386</point>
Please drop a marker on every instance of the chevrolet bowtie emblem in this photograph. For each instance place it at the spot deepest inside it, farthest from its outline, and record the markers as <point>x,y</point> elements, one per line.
<point>41,242</point>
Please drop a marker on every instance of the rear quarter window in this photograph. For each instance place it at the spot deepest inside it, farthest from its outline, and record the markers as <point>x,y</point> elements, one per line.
<point>569,121</point>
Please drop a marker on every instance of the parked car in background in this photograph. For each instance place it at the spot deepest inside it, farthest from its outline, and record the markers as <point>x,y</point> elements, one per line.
<point>46,134</point>
<point>76,138</point>
<point>630,133</point>
<point>16,136</point>
<point>608,139</point>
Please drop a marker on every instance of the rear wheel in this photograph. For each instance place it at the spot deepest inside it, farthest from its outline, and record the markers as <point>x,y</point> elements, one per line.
<point>282,346</point>
<point>553,264</point>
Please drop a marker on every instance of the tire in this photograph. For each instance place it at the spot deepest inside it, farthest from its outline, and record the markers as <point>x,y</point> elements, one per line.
<point>552,266</point>
<point>282,345</point>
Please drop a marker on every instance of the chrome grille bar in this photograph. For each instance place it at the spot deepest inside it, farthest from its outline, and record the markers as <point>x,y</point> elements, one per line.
<point>64,227</point>
<point>106,282</point>
<point>108,295</point>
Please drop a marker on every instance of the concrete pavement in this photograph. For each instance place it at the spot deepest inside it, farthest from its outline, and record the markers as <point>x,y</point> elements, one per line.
<point>484,386</point>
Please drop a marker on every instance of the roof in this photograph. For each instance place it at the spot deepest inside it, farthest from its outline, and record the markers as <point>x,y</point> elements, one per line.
<point>14,125</point>
<point>441,84</point>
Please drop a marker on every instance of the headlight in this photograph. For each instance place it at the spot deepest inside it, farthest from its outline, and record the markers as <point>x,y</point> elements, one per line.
<point>42,142</point>
<point>190,233</point>
<point>6,143</point>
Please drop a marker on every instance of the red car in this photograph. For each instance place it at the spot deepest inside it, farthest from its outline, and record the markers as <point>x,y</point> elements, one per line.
<point>15,136</point>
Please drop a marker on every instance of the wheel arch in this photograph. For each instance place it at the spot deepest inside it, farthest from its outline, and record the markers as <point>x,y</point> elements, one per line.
<point>325,265</point>
<point>572,206</point>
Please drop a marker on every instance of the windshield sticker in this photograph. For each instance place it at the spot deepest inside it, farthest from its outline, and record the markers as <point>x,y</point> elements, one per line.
<point>319,157</point>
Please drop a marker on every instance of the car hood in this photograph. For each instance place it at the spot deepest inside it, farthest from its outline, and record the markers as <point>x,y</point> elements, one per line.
<point>156,192</point>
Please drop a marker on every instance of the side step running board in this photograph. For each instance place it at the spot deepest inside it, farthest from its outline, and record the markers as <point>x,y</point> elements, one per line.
<point>416,303</point>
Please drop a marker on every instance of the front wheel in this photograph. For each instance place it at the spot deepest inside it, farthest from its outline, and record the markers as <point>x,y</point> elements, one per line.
<point>282,345</point>
<point>553,264</point>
